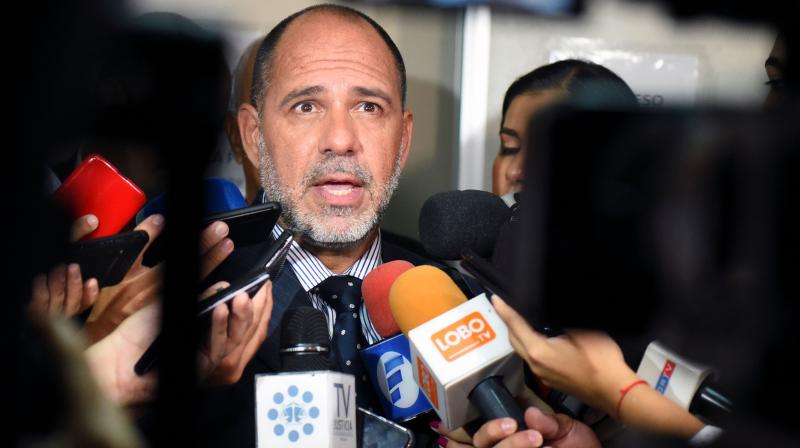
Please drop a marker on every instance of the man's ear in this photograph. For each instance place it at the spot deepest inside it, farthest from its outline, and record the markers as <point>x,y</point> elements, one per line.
<point>234,139</point>
<point>408,131</point>
<point>249,131</point>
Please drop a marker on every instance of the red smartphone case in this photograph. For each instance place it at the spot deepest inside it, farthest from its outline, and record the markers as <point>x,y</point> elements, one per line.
<point>97,187</point>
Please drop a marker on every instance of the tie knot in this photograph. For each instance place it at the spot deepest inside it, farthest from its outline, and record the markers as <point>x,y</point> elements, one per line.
<point>340,292</point>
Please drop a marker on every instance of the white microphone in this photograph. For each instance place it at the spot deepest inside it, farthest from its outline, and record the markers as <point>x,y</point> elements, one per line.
<point>688,384</point>
<point>310,405</point>
<point>461,355</point>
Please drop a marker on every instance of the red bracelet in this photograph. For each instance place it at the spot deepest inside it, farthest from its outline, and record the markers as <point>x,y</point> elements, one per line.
<point>623,392</point>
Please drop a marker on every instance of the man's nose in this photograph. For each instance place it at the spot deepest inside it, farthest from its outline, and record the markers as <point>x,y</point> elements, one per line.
<point>340,135</point>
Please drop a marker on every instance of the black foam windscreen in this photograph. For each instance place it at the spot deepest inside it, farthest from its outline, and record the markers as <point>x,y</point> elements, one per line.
<point>453,221</point>
<point>304,331</point>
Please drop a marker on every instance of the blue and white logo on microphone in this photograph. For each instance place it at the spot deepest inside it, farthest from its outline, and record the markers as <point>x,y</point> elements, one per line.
<point>390,369</point>
<point>293,413</point>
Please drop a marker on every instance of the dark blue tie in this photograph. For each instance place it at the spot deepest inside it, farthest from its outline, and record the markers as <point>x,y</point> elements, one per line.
<point>343,294</point>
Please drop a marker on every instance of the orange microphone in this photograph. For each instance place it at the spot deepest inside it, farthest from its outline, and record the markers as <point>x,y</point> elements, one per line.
<point>462,358</point>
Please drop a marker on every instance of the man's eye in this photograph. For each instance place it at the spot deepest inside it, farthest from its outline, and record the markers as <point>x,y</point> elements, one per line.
<point>305,108</point>
<point>370,107</point>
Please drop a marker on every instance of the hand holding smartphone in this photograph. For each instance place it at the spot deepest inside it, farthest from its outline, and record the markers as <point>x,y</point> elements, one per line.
<point>268,266</point>
<point>97,187</point>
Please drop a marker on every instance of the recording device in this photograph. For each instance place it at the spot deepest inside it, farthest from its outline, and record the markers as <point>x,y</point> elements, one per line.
<point>379,432</point>
<point>268,267</point>
<point>222,202</point>
<point>96,187</point>
<point>107,259</point>
<point>388,362</point>
<point>461,356</point>
<point>689,385</point>
<point>250,225</point>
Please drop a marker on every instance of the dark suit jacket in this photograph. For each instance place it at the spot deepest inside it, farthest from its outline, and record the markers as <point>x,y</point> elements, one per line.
<point>227,414</point>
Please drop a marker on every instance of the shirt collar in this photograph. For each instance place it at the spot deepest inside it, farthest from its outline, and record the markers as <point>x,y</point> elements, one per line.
<point>310,271</point>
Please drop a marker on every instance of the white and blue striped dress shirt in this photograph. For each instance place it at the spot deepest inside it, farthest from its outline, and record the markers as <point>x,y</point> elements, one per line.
<point>311,272</point>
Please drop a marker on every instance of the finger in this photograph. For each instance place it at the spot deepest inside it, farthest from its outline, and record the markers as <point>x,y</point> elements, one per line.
<point>153,225</point>
<point>40,295</point>
<point>212,235</point>
<point>519,348</point>
<point>450,443</point>
<point>215,256</point>
<point>218,336</point>
<point>517,324</point>
<point>213,289</point>
<point>83,226</point>
<point>241,319</point>
<point>91,291</point>
<point>74,290</point>
<point>262,306</point>
<point>547,425</point>
<point>524,439</point>
<point>262,323</point>
<point>494,431</point>
<point>263,313</point>
<point>56,284</point>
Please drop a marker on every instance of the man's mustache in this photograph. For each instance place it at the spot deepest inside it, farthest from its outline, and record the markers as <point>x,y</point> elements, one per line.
<point>337,165</point>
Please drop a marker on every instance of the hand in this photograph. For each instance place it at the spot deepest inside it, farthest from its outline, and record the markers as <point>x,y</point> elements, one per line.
<point>140,286</point>
<point>586,364</point>
<point>112,359</point>
<point>235,336</point>
<point>62,291</point>
<point>214,247</point>
<point>559,431</point>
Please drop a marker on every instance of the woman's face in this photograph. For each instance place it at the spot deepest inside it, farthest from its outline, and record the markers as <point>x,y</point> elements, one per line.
<point>509,162</point>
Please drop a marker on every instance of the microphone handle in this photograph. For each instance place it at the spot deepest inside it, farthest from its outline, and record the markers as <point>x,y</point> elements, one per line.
<point>493,401</point>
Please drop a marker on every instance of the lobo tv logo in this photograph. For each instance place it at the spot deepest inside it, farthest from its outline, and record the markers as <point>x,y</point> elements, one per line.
<point>463,336</point>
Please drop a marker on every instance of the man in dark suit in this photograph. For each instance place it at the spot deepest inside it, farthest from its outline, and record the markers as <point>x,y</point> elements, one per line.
<point>329,130</point>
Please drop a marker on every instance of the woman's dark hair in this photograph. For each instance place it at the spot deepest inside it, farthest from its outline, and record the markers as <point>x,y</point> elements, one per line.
<point>586,84</point>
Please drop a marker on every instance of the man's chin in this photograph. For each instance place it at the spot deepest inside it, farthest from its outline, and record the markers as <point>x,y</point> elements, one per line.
<point>339,232</point>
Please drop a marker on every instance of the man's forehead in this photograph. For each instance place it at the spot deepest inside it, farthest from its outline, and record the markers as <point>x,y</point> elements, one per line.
<point>324,39</point>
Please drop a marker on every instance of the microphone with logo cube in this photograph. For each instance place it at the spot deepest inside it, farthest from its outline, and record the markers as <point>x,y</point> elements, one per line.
<point>461,355</point>
<point>307,404</point>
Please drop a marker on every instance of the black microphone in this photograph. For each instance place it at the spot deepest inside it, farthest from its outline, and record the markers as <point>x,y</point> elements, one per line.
<point>305,345</point>
<point>464,225</point>
<point>454,220</point>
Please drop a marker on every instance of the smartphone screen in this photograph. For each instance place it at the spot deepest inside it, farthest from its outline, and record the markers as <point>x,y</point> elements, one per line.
<point>378,432</point>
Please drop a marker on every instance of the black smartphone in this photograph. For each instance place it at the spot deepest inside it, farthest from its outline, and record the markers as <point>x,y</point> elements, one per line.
<point>378,432</point>
<point>249,225</point>
<point>269,266</point>
<point>107,259</point>
<point>246,226</point>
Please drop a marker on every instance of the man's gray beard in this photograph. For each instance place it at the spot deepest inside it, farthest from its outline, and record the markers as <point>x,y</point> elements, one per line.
<point>312,227</point>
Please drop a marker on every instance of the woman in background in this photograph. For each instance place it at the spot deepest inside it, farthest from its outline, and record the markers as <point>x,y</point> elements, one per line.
<point>570,81</point>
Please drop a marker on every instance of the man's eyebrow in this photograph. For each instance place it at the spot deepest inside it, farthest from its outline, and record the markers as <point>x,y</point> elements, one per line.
<point>509,132</point>
<point>300,92</point>
<point>378,93</point>
<point>774,62</point>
